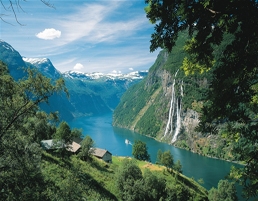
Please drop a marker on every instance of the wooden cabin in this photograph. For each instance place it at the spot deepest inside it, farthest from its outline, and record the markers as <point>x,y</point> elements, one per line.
<point>103,154</point>
<point>52,145</point>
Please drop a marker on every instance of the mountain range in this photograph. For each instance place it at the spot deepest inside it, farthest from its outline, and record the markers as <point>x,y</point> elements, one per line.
<point>90,93</point>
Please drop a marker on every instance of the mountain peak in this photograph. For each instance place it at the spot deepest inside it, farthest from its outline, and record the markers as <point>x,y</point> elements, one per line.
<point>35,60</point>
<point>109,76</point>
<point>6,45</point>
<point>44,65</point>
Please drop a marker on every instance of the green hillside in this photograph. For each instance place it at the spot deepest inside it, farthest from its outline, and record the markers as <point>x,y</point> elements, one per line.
<point>145,107</point>
<point>74,179</point>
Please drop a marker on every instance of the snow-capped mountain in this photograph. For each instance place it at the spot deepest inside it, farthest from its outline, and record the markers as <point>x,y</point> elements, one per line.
<point>110,76</point>
<point>44,65</point>
<point>90,93</point>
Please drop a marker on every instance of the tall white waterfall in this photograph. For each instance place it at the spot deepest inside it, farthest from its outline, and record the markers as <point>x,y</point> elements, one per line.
<point>174,112</point>
<point>171,111</point>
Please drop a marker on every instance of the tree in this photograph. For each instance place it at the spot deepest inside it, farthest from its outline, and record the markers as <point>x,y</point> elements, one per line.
<point>64,136</point>
<point>86,148</point>
<point>14,6</point>
<point>154,187</point>
<point>140,151</point>
<point>223,40</point>
<point>129,181</point>
<point>167,160</point>
<point>20,154</point>
<point>159,157</point>
<point>178,167</point>
<point>226,192</point>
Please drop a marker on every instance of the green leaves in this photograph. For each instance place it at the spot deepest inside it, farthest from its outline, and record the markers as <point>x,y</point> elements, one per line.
<point>224,40</point>
<point>22,126</point>
<point>86,148</point>
<point>140,151</point>
<point>226,191</point>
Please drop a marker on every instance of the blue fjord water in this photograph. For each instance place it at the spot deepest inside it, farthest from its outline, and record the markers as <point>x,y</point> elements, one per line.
<point>105,136</point>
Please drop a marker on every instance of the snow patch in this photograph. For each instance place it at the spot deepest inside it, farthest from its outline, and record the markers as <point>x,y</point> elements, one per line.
<point>35,60</point>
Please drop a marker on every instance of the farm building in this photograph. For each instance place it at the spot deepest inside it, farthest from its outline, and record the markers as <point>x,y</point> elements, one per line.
<point>103,154</point>
<point>52,144</point>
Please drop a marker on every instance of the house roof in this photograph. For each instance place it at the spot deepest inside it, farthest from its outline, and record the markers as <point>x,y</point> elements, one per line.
<point>50,144</point>
<point>99,152</point>
<point>74,147</point>
<point>47,144</point>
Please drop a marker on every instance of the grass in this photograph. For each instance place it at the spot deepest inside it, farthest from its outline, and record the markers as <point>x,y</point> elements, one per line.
<point>96,180</point>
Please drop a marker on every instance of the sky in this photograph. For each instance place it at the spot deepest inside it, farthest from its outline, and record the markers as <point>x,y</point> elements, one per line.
<point>107,36</point>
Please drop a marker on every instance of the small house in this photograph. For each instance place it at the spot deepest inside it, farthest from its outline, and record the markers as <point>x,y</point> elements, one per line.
<point>52,144</point>
<point>103,154</point>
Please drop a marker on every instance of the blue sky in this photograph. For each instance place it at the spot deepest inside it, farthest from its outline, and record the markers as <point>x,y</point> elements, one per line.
<point>88,36</point>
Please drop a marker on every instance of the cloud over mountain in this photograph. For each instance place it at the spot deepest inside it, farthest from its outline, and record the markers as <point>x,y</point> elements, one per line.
<point>49,34</point>
<point>78,66</point>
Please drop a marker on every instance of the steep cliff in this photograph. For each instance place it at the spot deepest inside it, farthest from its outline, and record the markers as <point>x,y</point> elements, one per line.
<point>166,106</point>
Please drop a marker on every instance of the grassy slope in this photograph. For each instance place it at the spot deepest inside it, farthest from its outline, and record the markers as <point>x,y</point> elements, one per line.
<point>96,180</point>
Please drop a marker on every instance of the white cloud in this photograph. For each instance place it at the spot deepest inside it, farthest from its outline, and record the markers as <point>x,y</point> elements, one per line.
<point>49,34</point>
<point>116,72</point>
<point>130,68</point>
<point>78,66</point>
<point>95,23</point>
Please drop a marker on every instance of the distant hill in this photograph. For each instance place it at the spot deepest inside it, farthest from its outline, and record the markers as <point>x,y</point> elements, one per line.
<point>90,93</point>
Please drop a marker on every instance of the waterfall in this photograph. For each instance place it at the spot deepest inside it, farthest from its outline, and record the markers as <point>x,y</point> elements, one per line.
<point>178,120</point>
<point>169,126</point>
<point>178,115</point>
<point>171,111</point>
<point>174,112</point>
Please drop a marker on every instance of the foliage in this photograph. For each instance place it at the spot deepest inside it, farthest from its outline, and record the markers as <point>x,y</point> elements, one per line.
<point>226,191</point>
<point>29,173</point>
<point>178,167</point>
<point>143,107</point>
<point>152,185</point>
<point>86,148</point>
<point>129,107</point>
<point>140,151</point>
<point>159,157</point>
<point>63,138</point>
<point>22,126</point>
<point>149,123</point>
<point>129,178</point>
<point>65,134</point>
<point>234,70</point>
<point>167,159</point>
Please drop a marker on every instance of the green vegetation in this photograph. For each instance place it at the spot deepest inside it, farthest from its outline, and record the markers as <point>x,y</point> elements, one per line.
<point>124,179</point>
<point>140,151</point>
<point>30,173</point>
<point>167,160</point>
<point>232,95</point>
<point>150,102</point>
<point>86,148</point>
<point>226,191</point>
